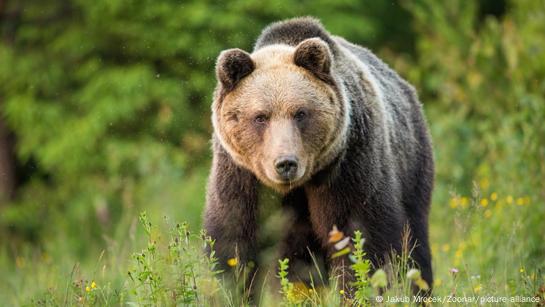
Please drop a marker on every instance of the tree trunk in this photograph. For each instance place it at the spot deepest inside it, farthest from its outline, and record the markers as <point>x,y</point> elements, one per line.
<point>7,164</point>
<point>7,157</point>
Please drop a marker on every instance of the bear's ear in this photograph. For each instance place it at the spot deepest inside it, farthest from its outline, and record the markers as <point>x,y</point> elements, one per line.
<point>313,54</point>
<point>232,66</point>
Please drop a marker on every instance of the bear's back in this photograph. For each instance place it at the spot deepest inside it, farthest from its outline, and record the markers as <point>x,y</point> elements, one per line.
<point>293,31</point>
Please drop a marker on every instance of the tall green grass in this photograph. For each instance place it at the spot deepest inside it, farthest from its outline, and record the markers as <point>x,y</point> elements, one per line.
<point>170,268</point>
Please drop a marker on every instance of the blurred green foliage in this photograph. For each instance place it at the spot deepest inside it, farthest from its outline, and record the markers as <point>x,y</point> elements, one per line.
<point>108,102</point>
<point>484,82</point>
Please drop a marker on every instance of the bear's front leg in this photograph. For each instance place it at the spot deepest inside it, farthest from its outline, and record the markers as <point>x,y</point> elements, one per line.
<point>300,244</point>
<point>344,205</point>
<point>325,213</point>
<point>230,214</point>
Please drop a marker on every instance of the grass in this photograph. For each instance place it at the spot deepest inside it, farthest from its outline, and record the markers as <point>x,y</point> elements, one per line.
<point>169,268</point>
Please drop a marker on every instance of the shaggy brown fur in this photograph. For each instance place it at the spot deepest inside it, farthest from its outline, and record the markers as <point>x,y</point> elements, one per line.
<point>334,130</point>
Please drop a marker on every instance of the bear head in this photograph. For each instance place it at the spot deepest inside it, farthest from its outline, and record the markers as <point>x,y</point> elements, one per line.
<point>279,112</point>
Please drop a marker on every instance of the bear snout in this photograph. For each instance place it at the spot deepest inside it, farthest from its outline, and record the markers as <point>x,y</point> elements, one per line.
<point>286,167</point>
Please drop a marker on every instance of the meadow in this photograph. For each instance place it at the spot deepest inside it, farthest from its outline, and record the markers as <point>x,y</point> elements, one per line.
<point>105,105</point>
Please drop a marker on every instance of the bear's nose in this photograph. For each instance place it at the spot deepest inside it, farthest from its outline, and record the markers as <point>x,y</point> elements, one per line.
<point>286,167</point>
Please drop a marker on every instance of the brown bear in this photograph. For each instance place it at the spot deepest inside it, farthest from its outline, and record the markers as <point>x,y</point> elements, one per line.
<point>335,131</point>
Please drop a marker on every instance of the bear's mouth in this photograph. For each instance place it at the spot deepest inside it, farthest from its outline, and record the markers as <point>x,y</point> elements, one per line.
<point>287,184</point>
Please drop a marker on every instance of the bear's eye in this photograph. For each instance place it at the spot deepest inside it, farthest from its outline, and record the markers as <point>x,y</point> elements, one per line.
<point>300,115</point>
<point>260,119</point>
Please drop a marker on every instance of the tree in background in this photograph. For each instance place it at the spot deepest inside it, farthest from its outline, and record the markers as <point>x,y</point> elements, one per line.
<point>7,160</point>
<point>7,163</point>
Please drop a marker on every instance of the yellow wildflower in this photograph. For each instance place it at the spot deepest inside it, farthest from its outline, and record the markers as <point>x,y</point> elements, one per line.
<point>484,202</point>
<point>459,254</point>
<point>464,202</point>
<point>341,292</point>
<point>477,288</point>
<point>494,196</point>
<point>232,262</point>
<point>521,270</point>
<point>484,183</point>
<point>509,199</point>
<point>422,284</point>
<point>520,201</point>
<point>93,285</point>
<point>453,202</point>
<point>88,289</point>
<point>445,248</point>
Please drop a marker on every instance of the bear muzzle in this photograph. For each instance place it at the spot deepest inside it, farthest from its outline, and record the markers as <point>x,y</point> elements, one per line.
<point>286,167</point>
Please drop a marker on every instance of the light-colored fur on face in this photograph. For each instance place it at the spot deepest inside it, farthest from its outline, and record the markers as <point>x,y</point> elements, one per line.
<point>278,89</point>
